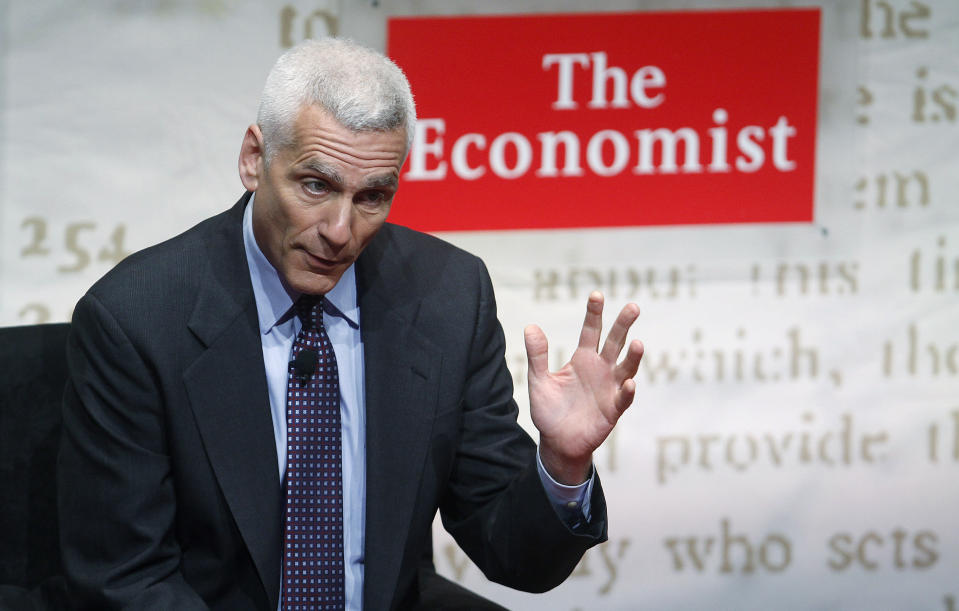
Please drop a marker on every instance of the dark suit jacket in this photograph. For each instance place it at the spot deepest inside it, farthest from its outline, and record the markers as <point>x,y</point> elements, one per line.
<point>169,493</point>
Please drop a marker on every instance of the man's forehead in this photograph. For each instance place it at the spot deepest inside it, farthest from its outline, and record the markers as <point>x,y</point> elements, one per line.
<point>314,116</point>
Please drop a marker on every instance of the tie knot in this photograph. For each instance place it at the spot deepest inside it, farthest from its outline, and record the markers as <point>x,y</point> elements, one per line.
<point>309,309</point>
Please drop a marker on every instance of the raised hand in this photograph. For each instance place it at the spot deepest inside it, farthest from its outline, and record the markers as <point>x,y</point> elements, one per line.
<point>577,407</point>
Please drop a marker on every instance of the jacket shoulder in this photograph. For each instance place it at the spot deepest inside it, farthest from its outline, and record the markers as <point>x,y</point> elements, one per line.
<point>173,261</point>
<point>422,251</point>
<point>160,283</point>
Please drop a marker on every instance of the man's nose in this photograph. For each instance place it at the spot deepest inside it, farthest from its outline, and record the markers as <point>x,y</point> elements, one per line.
<point>335,226</point>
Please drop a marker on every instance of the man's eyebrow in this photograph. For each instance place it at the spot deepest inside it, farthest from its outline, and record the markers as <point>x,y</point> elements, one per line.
<point>385,180</point>
<point>329,173</point>
<point>324,170</point>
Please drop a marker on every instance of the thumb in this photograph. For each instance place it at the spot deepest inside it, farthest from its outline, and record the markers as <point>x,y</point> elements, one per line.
<point>536,351</point>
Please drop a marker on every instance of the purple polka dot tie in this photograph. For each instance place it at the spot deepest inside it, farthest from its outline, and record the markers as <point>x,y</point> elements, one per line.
<point>313,539</point>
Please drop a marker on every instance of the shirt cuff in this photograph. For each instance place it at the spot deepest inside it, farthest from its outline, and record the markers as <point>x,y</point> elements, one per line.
<point>570,502</point>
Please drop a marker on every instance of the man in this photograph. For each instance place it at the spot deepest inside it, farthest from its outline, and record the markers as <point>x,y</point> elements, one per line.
<point>182,465</point>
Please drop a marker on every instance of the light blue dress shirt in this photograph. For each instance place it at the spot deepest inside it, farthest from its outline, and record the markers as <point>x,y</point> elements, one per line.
<point>341,317</point>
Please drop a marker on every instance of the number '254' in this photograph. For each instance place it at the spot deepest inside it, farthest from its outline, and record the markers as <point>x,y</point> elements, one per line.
<point>75,242</point>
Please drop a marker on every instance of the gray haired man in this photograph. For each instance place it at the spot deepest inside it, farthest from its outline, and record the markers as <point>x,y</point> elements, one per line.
<point>189,477</point>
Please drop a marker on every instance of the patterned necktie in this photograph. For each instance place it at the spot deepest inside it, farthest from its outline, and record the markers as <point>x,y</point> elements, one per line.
<point>313,539</point>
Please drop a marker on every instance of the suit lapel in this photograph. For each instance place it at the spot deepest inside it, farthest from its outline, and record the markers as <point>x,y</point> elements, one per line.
<point>402,369</point>
<point>228,393</point>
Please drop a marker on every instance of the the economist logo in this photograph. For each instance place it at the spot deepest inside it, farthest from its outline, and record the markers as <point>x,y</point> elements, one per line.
<point>606,120</point>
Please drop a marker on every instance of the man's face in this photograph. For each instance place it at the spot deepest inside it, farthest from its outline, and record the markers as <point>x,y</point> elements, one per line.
<point>320,201</point>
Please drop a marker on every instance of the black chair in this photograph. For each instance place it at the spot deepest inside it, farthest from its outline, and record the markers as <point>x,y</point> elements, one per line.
<point>33,371</point>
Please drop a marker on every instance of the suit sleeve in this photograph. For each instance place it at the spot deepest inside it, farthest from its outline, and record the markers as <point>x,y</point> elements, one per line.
<point>497,509</point>
<point>116,495</point>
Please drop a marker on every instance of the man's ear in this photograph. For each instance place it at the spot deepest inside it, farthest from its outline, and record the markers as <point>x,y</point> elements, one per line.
<point>252,162</point>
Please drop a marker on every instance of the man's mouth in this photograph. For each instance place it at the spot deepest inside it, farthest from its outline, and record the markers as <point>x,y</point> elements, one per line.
<point>319,262</point>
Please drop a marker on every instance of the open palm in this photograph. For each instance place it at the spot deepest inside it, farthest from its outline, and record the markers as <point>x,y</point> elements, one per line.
<point>577,407</point>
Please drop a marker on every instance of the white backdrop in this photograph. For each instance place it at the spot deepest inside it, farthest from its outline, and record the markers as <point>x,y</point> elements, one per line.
<point>795,444</point>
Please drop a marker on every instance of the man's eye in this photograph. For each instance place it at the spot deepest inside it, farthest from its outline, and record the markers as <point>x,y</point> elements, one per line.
<point>371,198</point>
<point>315,186</point>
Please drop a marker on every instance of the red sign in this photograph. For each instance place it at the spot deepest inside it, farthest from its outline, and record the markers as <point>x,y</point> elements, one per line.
<point>606,120</point>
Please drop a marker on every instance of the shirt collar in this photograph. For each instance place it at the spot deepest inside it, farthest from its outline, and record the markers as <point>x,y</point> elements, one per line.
<point>274,301</point>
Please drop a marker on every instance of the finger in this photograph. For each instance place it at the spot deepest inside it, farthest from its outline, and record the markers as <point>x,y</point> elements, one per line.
<point>630,365</point>
<point>617,334</point>
<point>625,395</point>
<point>536,351</point>
<point>593,325</point>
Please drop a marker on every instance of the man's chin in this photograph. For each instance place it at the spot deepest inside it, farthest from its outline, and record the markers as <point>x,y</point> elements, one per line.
<point>311,283</point>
